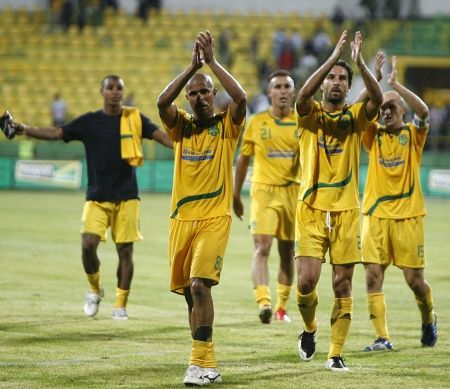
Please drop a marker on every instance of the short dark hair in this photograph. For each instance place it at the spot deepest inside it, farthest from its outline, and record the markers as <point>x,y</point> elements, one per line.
<point>279,72</point>
<point>110,77</point>
<point>349,69</point>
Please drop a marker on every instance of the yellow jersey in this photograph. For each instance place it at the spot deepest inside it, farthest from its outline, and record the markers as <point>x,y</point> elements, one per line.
<point>330,146</point>
<point>203,166</point>
<point>274,144</point>
<point>393,188</point>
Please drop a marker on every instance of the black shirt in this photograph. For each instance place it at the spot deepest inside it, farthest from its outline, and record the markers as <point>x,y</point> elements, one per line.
<point>110,178</point>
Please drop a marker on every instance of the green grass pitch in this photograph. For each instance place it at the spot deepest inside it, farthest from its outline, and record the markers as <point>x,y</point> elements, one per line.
<point>47,342</point>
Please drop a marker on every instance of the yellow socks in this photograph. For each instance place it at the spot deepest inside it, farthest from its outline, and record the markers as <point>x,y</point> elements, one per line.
<point>199,353</point>
<point>262,295</point>
<point>94,282</point>
<point>121,298</point>
<point>283,292</point>
<point>341,317</point>
<point>210,356</point>
<point>425,305</point>
<point>376,305</point>
<point>307,304</point>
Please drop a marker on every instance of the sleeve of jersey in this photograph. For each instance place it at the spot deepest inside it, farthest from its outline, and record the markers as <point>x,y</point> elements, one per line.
<point>248,145</point>
<point>74,130</point>
<point>148,127</point>
<point>369,135</point>
<point>175,131</point>
<point>362,121</point>
<point>419,130</point>
<point>232,129</point>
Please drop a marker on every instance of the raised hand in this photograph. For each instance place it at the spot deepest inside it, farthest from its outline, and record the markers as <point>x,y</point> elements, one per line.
<point>206,45</point>
<point>380,59</point>
<point>392,76</point>
<point>197,60</point>
<point>339,46</point>
<point>356,46</point>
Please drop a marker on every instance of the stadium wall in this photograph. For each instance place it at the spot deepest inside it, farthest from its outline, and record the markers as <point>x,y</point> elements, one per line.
<point>153,176</point>
<point>316,8</point>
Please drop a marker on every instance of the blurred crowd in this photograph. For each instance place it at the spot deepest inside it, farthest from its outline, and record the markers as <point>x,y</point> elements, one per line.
<point>65,13</point>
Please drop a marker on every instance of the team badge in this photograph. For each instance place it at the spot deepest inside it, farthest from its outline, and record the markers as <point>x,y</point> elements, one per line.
<point>343,123</point>
<point>403,139</point>
<point>213,131</point>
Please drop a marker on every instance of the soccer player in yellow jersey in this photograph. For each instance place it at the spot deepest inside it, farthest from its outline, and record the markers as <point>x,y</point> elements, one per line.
<point>393,208</point>
<point>271,137</point>
<point>204,147</point>
<point>327,218</point>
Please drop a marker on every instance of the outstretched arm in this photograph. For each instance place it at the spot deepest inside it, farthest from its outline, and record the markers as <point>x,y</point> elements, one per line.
<point>168,110</point>
<point>231,85</point>
<point>380,59</point>
<point>48,133</point>
<point>161,137</point>
<point>375,95</point>
<point>415,102</point>
<point>239,178</point>
<point>305,95</point>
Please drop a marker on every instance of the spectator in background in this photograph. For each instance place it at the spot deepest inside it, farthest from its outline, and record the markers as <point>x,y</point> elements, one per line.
<point>259,102</point>
<point>114,4</point>
<point>128,101</point>
<point>322,43</point>
<point>279,38</point>
<point>288,56</point>
<point>58,110</point>
<point>66,14</point>
<point>225,54</point>
<point>338,18</point>
<point>55,7</point>
<point>307,64</point>
<point>254,46</point>
<point>437,119</point>
<point>296,41</point>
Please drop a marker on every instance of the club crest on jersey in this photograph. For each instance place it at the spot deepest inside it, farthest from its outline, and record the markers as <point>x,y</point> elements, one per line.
<point>343,123</point>
<point>403,139</point>
<point>213,131</point>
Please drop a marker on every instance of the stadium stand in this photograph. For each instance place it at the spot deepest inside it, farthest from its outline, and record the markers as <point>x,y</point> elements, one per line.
<point>37,62</point>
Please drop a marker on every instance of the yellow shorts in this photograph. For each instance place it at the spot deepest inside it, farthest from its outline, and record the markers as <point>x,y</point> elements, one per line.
<point>317,232</point>
<point>397,241</point>
<point>272,210</point>
<point>196,250</point>
<point>122,217</point>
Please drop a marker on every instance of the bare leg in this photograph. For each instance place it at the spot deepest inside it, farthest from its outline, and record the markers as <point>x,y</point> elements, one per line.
<point>125,267</point>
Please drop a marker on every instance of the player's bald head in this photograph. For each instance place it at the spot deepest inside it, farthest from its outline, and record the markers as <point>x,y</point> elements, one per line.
<point>393,96</point>
<point>200,78</point>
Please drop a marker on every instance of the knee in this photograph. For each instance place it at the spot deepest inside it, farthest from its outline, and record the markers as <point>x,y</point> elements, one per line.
<point>373,280</point>
<point>199,289</point>
<point>306,284</point>
<point>88,247</point>
<point>342,286</point>
<point>125,250</point>
<point>262,249</point>
<point>418,286</point>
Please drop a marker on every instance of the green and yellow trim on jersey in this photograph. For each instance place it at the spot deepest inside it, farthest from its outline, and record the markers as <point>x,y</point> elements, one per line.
<point>198,197</point>
<point>330,144</point>
<point>319,185</point>
<point>393,188</point>
<point>203,163</point>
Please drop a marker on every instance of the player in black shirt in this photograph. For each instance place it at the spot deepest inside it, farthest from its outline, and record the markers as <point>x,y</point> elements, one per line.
<point>112,192</point>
